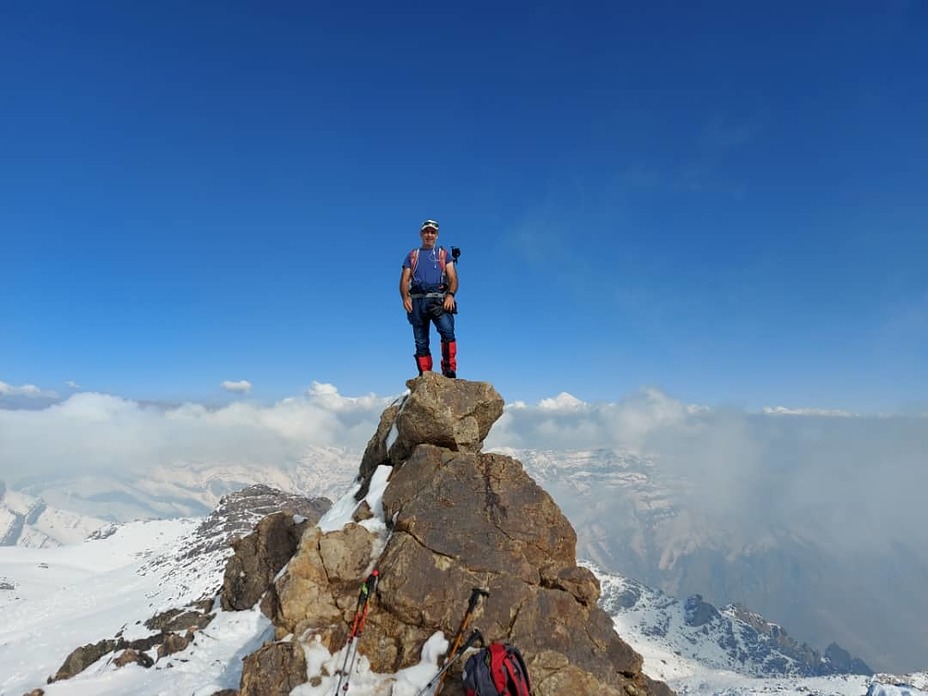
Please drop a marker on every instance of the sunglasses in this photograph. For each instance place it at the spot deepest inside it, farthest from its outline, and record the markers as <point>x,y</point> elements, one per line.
<point>429,223</point>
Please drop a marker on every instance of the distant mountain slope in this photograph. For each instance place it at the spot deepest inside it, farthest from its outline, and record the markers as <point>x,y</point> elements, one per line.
<point>635,517</point>
<point>728,639</point>
<point>29,521</point>
<point>185,489</point>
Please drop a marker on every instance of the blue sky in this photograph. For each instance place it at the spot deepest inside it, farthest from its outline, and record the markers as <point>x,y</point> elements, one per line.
<point>722,200</point>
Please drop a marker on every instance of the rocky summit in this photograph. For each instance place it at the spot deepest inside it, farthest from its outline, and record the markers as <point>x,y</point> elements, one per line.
<point>437,518</point>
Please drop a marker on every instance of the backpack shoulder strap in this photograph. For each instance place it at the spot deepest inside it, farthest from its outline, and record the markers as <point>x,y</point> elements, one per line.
<point>498,671</point>
<point>523,684</point>
<point>442,258</point>
<point>478,678</point>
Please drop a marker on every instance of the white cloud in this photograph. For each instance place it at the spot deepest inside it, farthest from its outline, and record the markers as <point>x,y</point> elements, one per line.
<point>243,386</point>
<point>72,385</point>
<point>328,396</point>
<point>566,422</point>
<point>92,431</point>
<point>562,402</point>
<point>27,390</point>
<point>786,411</point>
<point>859,477</point>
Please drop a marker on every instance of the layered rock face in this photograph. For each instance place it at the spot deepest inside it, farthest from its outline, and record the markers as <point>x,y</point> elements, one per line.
<point>437,518</point>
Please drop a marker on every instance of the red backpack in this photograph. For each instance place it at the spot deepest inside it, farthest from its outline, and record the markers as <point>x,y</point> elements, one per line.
<point>496,670</point>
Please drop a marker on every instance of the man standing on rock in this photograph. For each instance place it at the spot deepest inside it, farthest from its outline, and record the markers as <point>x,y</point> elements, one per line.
<point>428,283</point>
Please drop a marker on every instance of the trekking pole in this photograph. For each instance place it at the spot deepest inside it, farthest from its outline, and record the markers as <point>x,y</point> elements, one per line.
<point>475,595</point>
<point>357,628</point>
<point>440,677</point>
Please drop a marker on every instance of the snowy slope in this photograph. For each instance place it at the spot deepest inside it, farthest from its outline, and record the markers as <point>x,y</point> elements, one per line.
<point>59,598</point>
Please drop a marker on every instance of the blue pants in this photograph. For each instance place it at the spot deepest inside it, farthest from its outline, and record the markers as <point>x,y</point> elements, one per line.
<point>420,319</point>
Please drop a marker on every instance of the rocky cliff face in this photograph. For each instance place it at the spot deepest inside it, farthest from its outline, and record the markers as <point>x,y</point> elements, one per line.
<point>437,517</point>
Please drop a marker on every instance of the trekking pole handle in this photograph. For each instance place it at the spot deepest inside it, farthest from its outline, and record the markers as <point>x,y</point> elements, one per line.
<point>474,637</point>
<point>364,594</point>
<point>371,585</point>
<point>475,595</point>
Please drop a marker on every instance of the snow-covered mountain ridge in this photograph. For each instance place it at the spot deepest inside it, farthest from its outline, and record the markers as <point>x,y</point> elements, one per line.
<point>190,488</point>
<point>730,638</point>
<point>26,520</point>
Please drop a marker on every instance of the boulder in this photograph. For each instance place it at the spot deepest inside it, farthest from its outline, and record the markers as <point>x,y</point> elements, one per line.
<point>275,669</point>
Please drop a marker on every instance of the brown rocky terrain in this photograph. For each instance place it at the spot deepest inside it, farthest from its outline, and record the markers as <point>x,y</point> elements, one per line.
<point>437,517</point>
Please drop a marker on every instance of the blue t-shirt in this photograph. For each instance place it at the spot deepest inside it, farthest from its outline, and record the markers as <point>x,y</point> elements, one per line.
<point>429,274</point>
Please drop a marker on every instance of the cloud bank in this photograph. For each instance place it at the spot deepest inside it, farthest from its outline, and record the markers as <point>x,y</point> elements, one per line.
<point>98,432</point>
<point>858,478</point>
<point>26,390</point>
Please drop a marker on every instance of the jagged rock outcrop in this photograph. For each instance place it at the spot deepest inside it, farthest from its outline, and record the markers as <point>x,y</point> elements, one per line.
<point>131,656</point>
<point>446,518</point>
<point>259,557</point>
<point>238,512</point>
<point>81,658</point>
<point>696,612</point>
<point>321,582</point>
<point>458,419</point>
<point>192,618</point>
<point>844,663</point>
<point>175,630</point>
